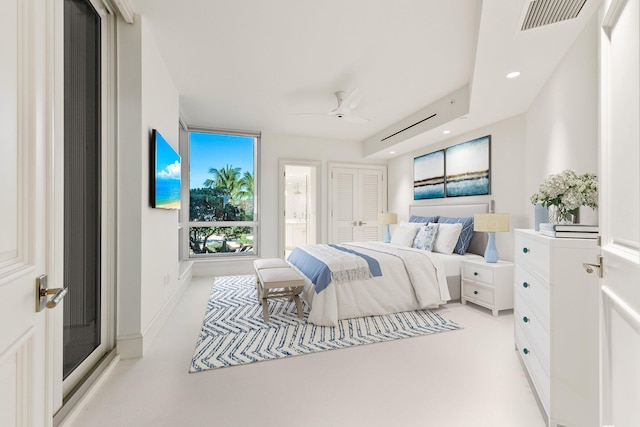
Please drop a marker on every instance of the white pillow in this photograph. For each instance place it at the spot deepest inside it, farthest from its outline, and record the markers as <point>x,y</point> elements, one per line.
<point>447,237</point>
<point>412,224</point>
<point>403,236</point>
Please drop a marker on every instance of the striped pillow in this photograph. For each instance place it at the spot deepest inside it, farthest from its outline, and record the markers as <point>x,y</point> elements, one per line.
<point>465,235</point>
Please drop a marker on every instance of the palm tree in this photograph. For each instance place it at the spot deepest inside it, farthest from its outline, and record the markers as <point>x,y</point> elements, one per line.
<point>226,180</point>
<point>245,193</point>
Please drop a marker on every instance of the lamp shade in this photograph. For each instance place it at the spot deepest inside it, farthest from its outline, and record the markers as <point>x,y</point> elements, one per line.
<point>388,218</point>
<point>491,222</point>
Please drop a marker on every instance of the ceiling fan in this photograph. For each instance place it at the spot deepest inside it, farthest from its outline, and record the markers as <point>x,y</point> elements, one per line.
<point>346,103</point>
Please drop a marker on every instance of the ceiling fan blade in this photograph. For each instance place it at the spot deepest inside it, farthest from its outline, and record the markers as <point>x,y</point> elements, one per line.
<point>313,114</point>
<point>355,119</point>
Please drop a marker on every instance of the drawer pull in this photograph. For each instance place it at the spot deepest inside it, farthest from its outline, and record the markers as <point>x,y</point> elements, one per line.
<point>525,285</point>
<point>525,250</point>
<point>475,273</point>
<point>475,292</point>
<point>525,319</point>
<point>526,350</point>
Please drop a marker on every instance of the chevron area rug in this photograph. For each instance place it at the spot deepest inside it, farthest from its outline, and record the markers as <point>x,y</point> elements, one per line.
<point>234,333</point>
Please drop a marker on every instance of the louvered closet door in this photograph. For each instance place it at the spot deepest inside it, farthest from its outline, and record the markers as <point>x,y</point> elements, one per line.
<point>357,199</point>
<point>370,204</point>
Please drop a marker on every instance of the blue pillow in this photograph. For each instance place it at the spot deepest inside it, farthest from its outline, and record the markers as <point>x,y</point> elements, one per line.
<point>465,235</point>
<point>423,219</point>
<point>425,237</point>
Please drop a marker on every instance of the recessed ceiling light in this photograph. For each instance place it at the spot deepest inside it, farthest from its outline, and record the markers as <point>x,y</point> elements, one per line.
<point>446,132</point>
<point>513,74</point>
<point>392,152</point>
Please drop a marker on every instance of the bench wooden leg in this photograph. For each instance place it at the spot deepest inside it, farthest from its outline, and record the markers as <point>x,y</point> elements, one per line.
<point>296,298</point>
<point>265,310</point>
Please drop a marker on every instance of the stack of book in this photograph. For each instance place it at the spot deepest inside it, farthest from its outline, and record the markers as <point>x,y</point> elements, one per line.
<point>571,231</point>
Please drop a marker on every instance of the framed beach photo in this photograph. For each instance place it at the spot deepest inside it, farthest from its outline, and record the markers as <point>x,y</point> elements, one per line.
<point>164,181</point>
<point>468,167</point>
<point>428,176</point>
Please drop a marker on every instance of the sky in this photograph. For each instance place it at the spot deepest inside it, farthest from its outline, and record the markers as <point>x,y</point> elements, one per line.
<point>214,150</point>
<point>167,160</point>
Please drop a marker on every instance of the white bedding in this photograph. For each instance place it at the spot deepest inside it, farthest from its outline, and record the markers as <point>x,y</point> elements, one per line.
<point>411,279</point>
<point>453,263</point>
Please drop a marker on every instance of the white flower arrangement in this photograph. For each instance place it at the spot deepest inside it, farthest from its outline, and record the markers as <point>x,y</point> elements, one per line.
<point>567,191</point>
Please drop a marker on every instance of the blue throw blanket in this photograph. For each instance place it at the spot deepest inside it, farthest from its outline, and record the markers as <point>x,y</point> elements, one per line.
<point>319,273</point>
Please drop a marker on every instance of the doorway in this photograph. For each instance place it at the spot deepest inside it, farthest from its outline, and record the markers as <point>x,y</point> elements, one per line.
<point>299,205</point>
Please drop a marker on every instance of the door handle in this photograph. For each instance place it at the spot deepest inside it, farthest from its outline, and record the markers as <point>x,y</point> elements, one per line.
<point>589,267</point>
<point>43,293</point>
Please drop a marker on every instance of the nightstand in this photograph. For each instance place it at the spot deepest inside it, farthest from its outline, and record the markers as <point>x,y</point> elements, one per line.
<point>487,284</point>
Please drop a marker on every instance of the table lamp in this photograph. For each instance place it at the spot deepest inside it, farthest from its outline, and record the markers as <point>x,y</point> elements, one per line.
<point>491,223</point>
<point>386,219</point>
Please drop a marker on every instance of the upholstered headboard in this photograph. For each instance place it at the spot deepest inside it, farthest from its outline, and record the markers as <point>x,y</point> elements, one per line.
<point>479,239</point>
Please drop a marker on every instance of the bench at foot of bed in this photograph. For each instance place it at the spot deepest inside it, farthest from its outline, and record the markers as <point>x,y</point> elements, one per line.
<point>276,279</point>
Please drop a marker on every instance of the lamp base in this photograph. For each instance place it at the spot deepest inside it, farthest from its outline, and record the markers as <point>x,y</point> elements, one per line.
<point>491,253</point>
<point>387,234</point>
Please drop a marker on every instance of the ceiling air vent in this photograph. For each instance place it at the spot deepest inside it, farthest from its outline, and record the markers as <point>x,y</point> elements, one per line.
<point>545,12</point>
<point>409,127</point>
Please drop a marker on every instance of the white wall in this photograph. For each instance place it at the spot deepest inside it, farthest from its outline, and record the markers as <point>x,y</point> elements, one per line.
<point>148,263</point>
<point>562,123</point>
<point>507,179</point>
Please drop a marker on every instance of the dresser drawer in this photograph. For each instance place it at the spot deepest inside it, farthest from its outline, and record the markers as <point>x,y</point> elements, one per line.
<point>477,273</point>
<point>538,375</point>
<point>533,327</point>
<point>534,292</point>
<point>534,253</point>
<point>477,292</point>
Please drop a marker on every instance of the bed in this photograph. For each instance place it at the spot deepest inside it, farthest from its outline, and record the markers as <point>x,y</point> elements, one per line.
<point>357,279</point>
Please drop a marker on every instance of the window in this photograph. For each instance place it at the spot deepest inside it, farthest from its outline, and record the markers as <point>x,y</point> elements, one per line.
<point>222,202</point>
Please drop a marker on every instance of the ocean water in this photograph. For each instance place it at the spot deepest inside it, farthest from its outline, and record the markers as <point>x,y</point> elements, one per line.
<point>469,187</point>
<point>167,192</point>
<point>435,191</point>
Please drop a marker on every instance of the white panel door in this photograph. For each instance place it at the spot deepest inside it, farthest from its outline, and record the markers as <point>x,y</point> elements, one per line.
<point>358,195</point>
<point>25,365</point>
<point>620,214</point>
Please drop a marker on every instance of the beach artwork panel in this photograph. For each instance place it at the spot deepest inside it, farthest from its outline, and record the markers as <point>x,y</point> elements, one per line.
<point>428,176</point>
<point>167,176</point>
<point>468,168</point>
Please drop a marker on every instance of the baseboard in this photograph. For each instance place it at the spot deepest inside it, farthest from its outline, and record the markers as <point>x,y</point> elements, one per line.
<point>130,346</point>
<point>224,266</point>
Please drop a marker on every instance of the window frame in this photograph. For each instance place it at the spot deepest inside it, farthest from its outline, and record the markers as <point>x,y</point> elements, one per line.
<point>186,223</point>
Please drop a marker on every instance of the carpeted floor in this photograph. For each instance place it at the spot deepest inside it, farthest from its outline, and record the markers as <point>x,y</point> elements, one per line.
<point>234,333</point>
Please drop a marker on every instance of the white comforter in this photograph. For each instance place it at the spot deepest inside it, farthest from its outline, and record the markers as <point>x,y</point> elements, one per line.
<point>411,279</point>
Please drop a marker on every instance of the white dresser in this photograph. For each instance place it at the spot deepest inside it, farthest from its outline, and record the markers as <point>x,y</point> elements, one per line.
<point>556,324</point>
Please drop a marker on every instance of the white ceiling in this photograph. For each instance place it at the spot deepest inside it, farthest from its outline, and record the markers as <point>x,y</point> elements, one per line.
<point>255,65</point>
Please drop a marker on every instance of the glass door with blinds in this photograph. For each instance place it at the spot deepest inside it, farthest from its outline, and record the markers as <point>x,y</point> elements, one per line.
<point>358,195</point>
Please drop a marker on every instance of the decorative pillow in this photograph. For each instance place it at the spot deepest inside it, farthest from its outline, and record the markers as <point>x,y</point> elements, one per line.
<point>447,237</point>
<point>423,219</point>
<point>465,235</point>
<point>425,237</point>
<point>403,236</point>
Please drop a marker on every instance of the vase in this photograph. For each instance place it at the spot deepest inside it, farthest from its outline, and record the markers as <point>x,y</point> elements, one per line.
<point>560,216</point>
<point>541,214</point>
